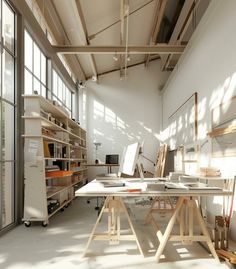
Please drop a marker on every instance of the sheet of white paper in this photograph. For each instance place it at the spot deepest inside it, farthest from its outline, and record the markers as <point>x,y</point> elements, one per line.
<point>31,152</point>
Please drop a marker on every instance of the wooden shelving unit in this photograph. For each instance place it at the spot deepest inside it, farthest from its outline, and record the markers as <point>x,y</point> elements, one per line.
<point>51,138</point>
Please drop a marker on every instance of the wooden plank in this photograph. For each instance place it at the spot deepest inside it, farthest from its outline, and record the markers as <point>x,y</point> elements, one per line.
<point>159,14</point>
<point>161,159</point>
<point>85,37</point>
<point>187,7</point>
<point>157,49</point>
<point>186,27</point>
<point>222,131</point>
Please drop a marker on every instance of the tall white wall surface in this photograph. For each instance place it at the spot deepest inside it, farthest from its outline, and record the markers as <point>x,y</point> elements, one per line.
<point>208,67</point>
<point>119,112</point>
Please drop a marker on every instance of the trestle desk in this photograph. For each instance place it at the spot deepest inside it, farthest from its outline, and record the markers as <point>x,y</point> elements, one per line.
<point>114,206</point>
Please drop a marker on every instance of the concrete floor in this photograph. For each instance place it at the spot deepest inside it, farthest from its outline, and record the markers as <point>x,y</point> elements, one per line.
<point>60,245</point>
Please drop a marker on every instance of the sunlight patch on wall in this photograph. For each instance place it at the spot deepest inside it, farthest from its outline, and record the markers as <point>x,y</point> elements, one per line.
<point>202,109</point>
<point>99,110</point>
<point>144,127</point>
<point>120,123</point>
<point>110,116</point>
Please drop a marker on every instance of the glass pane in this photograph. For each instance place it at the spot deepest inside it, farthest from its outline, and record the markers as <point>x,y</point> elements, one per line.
<point>55,82</point>
<point>43,69</point>
<point>68,98</point>
<point>36,86</point>
<point>36,61</point>
<point>7,132</point>
<point>73,106</point>
<point>28,82</point>
<point>64,93</point>
<point>8,77</point>
<point>8,27</point>
<point>7,193</point>
<point>43,93</point>
<point>59,89</point>
<point>28,51</point>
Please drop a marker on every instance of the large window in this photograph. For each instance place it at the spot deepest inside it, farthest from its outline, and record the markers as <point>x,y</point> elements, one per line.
<point>7,115</point>
<point>35,68</point>
<point>61,93</point>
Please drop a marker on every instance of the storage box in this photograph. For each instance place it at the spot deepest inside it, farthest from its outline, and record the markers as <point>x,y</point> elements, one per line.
<point>59,173</point>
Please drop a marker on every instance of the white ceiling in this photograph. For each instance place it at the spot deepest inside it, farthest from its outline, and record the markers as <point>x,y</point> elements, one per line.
<point>98,15</point>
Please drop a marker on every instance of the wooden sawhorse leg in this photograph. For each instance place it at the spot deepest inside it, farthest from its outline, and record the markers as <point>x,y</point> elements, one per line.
<point>114,206</point>
<point>186,226</point>
<point>159,205</point>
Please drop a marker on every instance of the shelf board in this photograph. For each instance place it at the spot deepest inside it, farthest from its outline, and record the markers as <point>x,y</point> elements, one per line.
<point>59,159</point>
<point>65,159</point>
<point>55,190</point>
<point>46,123</point>
<point>48,138</point>
<point>48,106</point>
<point>78,147</point>
<point>52,126</point>
<point>75,183</point>
<point>81,170</point>
<point>60,207</point>
<point>73,124</point>
<point>57,177</point>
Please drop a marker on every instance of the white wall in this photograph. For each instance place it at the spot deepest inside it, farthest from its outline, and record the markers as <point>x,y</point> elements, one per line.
<point>208,66</point>
<point>119,112</point>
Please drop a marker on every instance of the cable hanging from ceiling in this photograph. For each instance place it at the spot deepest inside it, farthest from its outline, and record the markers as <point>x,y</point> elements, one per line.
<point>92,36</point>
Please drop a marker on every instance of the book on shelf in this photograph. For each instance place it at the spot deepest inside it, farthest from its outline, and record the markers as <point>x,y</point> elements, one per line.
<point>49,168</point>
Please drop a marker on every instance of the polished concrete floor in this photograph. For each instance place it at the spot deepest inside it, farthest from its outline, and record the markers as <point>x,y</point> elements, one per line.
<point>61,244</point>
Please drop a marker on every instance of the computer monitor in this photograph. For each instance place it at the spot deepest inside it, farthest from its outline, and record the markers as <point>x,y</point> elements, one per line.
<point>112,159</point>
<point>129,159</point>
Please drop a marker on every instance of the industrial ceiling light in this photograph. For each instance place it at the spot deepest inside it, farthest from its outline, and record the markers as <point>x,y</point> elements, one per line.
<point>94,78</point>
<point>115,58</point>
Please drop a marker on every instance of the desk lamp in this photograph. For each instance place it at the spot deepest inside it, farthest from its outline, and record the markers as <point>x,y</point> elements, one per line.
<point>97,144</point>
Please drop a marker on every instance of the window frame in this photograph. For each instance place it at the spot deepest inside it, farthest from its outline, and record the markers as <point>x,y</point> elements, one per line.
<point>34,76</point>
<point>55,96</point>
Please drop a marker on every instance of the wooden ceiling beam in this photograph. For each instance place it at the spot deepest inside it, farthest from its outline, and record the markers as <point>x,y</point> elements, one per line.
<point>186,26</point>
<point>157,57</point>
<point>122,29</point>
<point>184,14</point>
<point>159,14</point>
<point>36,31</point>
<point>157,49</point>
<point>57,29</point>
<point>85,36</point>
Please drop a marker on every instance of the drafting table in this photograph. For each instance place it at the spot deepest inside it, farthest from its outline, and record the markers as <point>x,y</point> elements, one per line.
<point>114,206</point>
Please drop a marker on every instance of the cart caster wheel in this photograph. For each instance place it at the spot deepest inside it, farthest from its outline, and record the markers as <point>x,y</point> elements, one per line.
<point>66,205</point>
<point>88,202</point>
<point>27,224</point>
<point>44,224</point>
<point>62,209</point>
